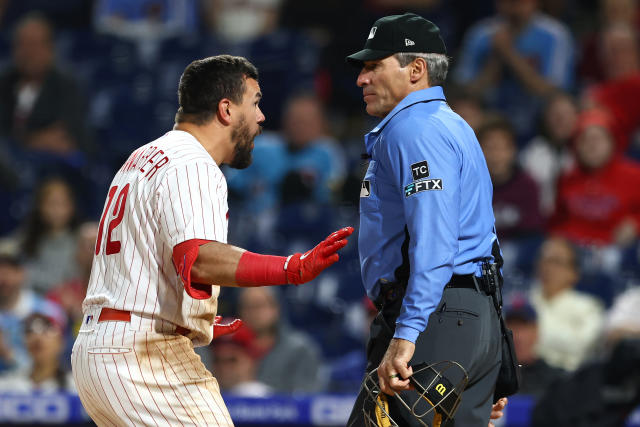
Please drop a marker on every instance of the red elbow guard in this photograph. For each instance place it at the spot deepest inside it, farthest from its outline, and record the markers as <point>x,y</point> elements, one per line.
<point>260,270</point>
<point>184,255</point>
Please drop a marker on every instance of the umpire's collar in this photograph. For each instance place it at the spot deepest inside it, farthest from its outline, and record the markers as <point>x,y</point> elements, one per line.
<point>416,97</point>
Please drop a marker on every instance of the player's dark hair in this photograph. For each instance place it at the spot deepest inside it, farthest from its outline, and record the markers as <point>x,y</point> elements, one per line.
<point>205,82</point>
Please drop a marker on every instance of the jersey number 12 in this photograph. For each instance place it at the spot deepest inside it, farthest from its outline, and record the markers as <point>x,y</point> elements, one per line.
<point>113,246</point>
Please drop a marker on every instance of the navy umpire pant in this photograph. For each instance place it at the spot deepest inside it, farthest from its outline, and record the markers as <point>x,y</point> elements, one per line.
<point>464,328</point>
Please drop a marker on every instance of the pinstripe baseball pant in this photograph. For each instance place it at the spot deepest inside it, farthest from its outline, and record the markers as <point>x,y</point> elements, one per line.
<point>142,377</point>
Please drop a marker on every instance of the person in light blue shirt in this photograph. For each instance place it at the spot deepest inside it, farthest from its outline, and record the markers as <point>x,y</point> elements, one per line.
<point>426,224</point>
<point>515,59</point>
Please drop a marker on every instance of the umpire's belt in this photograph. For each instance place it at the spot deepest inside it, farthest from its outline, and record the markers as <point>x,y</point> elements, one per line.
<point>112,314</point>
<point>468,281</point>
<point>392,291</point>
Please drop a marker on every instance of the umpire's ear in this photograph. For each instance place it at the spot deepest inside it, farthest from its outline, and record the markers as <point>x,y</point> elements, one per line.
<point>224,111</point>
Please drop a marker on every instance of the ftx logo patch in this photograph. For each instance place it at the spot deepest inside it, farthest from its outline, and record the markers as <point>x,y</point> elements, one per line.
<point>420,170</point>
<point>372,33</point>
<point>426,185</point>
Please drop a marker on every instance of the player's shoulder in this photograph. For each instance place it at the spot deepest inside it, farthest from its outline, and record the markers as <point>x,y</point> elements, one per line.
<point>175,152</point>
<point>183,149</point>
<point>180,145</point>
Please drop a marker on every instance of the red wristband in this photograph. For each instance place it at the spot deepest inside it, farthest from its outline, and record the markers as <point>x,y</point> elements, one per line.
<point>261,270</point>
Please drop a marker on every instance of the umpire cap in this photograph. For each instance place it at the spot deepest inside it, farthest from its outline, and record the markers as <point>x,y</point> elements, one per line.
<point>399,33</point>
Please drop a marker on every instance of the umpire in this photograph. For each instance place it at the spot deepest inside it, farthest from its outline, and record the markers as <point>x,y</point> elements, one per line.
<point>426,222</point>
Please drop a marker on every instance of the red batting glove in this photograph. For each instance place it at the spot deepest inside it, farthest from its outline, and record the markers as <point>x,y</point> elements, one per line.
<point>302,268</point>
<point>220,329</point>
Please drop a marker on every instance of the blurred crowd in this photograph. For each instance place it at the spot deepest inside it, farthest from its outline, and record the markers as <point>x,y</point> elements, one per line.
<point>551,89</point>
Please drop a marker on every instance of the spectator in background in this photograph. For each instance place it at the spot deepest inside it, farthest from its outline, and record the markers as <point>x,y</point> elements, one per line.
<point>622,319</point>
<point>466,103</point>
<point>235,364</point>
<point>42,109</point>
<point>537,375</point>
<point>48,238</point>
<point>303,150</point>
<point>597,49</point>
<point>516,58</point>
<point>16,304</point>
<point>70,294</point>
<point>44,339</point>
<point>146,22</point>
<point>569,321</point>
<point>620,91</point>
<point>290,361</point>
<point>598,200</point>
<point>619,51</point>
<point>65,14</point>
<point>146,18</point>
<point>515,194</point>
<point>242,21</point>
<point>549,154</point>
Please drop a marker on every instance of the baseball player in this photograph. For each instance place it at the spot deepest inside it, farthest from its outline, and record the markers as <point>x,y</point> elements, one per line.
<point>161,255</point>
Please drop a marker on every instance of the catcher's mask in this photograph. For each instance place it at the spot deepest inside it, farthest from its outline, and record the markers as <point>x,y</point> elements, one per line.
<point>435,398</point>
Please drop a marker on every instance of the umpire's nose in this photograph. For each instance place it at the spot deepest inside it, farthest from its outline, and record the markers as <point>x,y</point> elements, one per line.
<point>261,118</point>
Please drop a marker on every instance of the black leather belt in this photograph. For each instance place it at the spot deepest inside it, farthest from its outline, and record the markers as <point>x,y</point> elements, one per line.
<point>461,281</point>
<point>466,281</point>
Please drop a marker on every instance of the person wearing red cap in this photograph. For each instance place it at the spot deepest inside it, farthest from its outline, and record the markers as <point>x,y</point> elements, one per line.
<point>235,364</point>
<point>597,202</point>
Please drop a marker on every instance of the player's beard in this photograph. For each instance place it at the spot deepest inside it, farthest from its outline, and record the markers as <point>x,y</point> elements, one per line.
<point>243,139</point>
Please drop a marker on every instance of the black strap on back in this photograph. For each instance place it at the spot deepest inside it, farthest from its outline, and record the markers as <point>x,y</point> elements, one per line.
<point>403,271</point>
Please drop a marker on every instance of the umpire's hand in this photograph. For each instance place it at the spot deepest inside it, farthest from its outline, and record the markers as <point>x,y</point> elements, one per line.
<point>395,366</point>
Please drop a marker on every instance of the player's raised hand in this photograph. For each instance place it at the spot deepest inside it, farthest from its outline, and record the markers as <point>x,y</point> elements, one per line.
<point>302,268</point>
<point>220,329</point>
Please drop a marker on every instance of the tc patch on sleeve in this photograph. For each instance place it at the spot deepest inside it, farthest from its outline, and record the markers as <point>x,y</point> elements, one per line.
<point>420,170</point>
<point>365,189</point>
<point>428,184</point>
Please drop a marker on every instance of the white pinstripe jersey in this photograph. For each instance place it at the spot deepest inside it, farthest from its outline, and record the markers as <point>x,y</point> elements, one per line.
<point>167,192</point>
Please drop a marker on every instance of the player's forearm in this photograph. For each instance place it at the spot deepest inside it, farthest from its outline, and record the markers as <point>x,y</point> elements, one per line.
<point>226,265</point>
<point>216,264</point>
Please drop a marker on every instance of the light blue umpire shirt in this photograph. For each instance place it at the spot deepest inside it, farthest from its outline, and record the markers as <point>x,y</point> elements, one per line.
<point>427,173</point>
